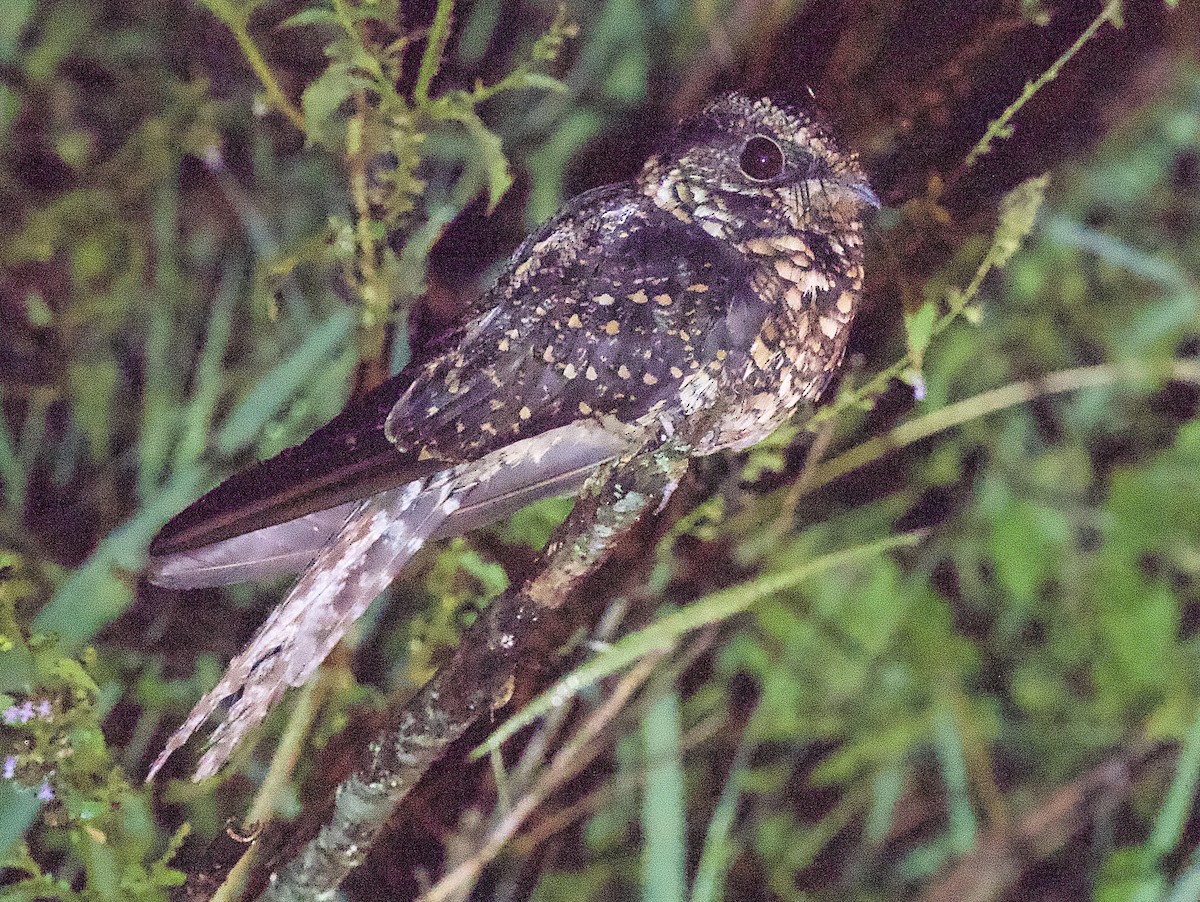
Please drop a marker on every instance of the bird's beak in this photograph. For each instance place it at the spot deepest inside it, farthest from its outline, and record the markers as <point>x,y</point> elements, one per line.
<point>851,182</point>
<point>863,192</point>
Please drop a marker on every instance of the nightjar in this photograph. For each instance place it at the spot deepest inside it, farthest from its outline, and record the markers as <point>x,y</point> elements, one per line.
<point>699,303</point>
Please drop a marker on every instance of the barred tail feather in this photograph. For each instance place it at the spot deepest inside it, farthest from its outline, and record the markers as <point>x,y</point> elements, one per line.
<point>352,552</point>
<point>355,565</point>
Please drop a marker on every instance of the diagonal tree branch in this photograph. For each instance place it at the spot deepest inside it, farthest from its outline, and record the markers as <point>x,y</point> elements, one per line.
<point>477,679</point>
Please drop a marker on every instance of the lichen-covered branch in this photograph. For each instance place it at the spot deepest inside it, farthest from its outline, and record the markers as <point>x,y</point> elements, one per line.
<point>477,679</point>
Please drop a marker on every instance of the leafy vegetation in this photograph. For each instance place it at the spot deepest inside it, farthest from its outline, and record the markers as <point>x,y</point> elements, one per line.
<point>938,641</point>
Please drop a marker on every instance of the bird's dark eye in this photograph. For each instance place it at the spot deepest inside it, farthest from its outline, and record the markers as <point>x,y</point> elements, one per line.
<point>761,159</point>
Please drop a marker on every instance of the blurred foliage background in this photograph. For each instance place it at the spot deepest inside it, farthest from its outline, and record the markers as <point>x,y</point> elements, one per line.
<point>222,218</point>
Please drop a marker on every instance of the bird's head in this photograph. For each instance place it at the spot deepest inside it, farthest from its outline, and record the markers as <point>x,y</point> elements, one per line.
<point>742,169</point>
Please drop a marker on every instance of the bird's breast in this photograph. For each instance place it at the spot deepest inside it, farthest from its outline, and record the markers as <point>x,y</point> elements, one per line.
<point>810,282</point>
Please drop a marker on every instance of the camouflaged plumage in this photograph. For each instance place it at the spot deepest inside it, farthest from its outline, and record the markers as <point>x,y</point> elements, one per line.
<point>641,304</point>
<point>701,302</point>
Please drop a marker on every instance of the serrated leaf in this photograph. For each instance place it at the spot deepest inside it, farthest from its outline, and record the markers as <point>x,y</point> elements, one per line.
<point>492,160</point>
<point>489,158</point>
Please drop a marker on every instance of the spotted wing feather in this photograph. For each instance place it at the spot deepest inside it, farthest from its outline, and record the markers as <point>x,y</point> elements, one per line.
<point>621,305</point>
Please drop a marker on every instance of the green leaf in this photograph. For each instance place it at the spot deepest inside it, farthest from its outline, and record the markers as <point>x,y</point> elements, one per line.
<point>866,753</point>
<point>493,161</point>
<point>719,845</point>
<point>18,809</point>
<point>533,525</point>
<point>12,23</point>
<point>313,15</point>
<point>1181,797</point>
<point>664,825</point>
<point>1138,622</point>
<point>1028,541</point>
<point>475,35</point>
<point>918,328</point>
<point>1018,212</point>
<point>322,100</point>
<point>102,587</point>
<point>948,744</point>
<point>550,162</point>
<point>544,81</point>
<point>93,387</point>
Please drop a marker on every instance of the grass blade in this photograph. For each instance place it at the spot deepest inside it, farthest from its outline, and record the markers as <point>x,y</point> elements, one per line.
<point>664,829</point>
<point>663,633</point>
<point>245,423</point>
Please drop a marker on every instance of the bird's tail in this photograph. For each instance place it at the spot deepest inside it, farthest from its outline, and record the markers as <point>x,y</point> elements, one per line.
<point>355,565</point>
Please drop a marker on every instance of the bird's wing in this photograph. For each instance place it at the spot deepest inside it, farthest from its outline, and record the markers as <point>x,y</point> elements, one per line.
<point>619,304</point>
<point>273,517</point>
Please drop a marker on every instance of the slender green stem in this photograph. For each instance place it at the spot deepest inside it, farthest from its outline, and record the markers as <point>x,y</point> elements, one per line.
<point>1018,210</point>
<point>665,632</point>
<point>990,402</point>
<point>1000,127</point>
<point>374,296</point>
<point>310,699</point>
<point>237,21</point>
<point>435,46</point>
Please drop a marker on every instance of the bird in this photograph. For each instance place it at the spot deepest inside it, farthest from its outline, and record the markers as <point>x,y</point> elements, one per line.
<point>699,303</point>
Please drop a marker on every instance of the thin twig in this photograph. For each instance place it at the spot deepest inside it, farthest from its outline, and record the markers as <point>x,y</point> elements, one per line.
<point>596,798</point>
<point>308,702</point>
<point>373,296</point>
<point>570,760</point>
<point>237,22</point>
<point>989,871</point>
<point>1000,127</point>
